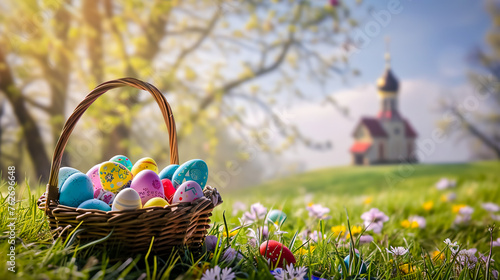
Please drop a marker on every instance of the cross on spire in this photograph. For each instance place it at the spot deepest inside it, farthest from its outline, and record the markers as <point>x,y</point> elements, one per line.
<point>387,52</point>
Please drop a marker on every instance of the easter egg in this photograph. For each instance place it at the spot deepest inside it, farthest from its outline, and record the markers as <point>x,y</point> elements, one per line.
<point>168,189</point>
<point>76,189</point>
<point>114,176</point>
<point>107,197</point>
<point>156,201</point>
<point>193,170</point>
<point>168,172</point>
<point>127,199</point>
<point>95,204</point>
<point>276,216</point>
<point>93,174</point>
<point>187,192</point>
<point>144,163</point>
<point>123,160</point>
<point>362,267</point>
<point>273,249</point>
<point>64,174</point>
<point>148,185</point>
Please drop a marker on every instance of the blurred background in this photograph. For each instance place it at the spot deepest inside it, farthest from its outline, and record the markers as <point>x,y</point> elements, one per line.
<point>259,89</point>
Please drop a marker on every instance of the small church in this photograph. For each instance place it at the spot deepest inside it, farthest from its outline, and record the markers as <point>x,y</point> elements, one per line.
<point>388,137</point>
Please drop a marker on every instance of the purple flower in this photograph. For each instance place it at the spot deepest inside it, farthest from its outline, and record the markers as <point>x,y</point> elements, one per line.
<point>217,273</point>
<point>231,255</point>
<point>490,207</point>
<point>467,258</point>
<point>257,212</point>
<point>211,242</point>
<point>496,243</point>
<point>318,211</point>
<point>374,220</point>
<point>445,183</point>
<point>365,239</point>
<point>289,273</point>
<point>464,215</point>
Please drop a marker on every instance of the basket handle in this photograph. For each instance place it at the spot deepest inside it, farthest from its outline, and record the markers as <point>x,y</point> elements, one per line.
<point>52,190</point>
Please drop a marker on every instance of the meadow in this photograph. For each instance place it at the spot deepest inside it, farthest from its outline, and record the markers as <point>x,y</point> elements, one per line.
<point>392,222</point>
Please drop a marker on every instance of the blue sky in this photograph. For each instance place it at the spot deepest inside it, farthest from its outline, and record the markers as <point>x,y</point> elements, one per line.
<point>427,38</point>
<point>430,43</point>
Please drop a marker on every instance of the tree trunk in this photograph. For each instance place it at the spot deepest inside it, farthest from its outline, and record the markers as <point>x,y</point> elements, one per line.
<point>31,132</point>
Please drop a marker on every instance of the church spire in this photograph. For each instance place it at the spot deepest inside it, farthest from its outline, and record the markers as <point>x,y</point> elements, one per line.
<point>388,81</point>
<point>387,53</point>
<point>388,87</point>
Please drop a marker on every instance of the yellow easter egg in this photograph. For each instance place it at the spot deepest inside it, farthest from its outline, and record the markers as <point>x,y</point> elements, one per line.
<point>156,201</point>
<point>144,163</point>
<point>114,176</point>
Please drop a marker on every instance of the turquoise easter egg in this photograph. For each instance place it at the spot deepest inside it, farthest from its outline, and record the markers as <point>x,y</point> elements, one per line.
<point>95,204</point>
<point>123,160</point>
<point>76,189</point>
<point>168,172</point>
<point>362,267</point>
<point>276,216</point>
<point>64,174</point>
<point>193,170</point>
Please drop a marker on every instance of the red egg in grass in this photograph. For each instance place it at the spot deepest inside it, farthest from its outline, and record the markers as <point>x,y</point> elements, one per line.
<point>272,249</point>
<point>168,189</point>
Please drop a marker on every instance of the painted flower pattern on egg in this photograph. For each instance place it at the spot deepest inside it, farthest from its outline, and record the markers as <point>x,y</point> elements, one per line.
<point>187,192</point>
<point>114,176</point>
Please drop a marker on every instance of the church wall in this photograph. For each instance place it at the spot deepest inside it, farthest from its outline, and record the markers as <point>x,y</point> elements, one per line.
<point>396,141</point>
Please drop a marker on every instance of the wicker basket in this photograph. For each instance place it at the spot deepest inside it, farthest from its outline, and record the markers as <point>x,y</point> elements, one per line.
<point>177,225</point>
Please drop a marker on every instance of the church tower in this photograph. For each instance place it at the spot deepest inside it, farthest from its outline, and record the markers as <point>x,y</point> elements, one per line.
<point>388,87</point>
<point>387,138</point>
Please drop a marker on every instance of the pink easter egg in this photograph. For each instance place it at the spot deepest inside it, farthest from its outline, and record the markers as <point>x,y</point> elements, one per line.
<point>148,184</point>
<point>187,192</point>
<point>108,197</point>
<point>99,193</point>
<point>93,174</point>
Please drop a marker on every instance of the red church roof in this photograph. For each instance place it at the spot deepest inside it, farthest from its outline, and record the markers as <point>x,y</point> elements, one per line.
<point>409,131</point>
<point>374,127</point>
<point>360,147</point>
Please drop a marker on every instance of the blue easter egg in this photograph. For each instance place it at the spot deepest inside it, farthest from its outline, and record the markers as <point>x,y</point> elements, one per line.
<point>362,269</point>
<point>95,204</point>
<point>168,172</point>
<point>193,170</point>
<point>123,160</point>
<point>64,174</point>
<point>76,189</point>
<point>276,216</point>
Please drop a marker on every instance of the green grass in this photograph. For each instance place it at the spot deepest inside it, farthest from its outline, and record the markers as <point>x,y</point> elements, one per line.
<point>398,191</point>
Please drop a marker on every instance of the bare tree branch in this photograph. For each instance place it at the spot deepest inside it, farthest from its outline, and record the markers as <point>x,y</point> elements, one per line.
<point>476,132</point>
